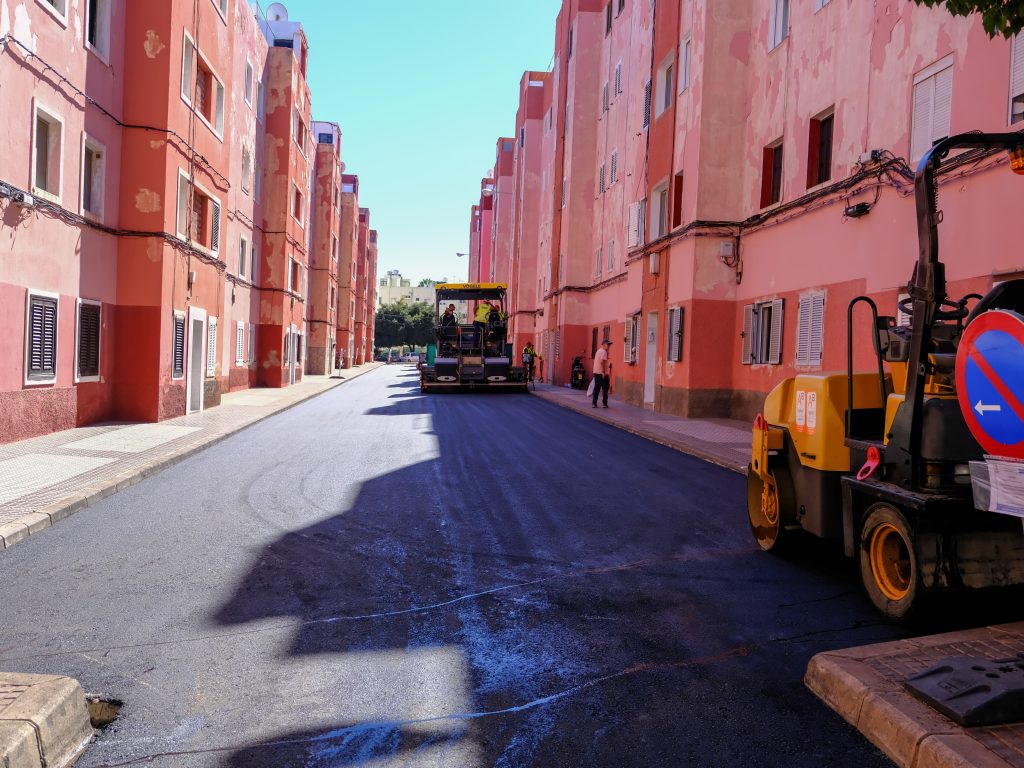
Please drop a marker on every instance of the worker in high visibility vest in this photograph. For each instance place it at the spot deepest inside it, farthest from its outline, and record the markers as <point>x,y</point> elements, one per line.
<point>483,314</point>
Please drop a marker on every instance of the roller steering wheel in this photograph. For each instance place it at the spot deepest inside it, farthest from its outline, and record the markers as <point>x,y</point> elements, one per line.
<point>958,312</point>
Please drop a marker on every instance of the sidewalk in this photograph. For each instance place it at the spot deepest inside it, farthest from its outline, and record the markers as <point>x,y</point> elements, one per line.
<point>725,442</point>
<point>46,479</point>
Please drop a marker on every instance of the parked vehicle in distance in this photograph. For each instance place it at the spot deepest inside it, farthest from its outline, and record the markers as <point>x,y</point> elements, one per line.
<point>411,358</point>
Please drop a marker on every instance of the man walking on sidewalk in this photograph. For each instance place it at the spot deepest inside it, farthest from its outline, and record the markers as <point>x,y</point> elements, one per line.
<point>602,372</point>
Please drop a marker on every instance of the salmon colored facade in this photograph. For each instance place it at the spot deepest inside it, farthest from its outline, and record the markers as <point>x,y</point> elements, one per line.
<point>718,180</point>
<point>155,210</point>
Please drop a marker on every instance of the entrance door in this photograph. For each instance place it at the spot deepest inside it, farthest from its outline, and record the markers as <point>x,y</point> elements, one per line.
<point>651,359</point>
<point>196,359</point>
<point>293,353</point>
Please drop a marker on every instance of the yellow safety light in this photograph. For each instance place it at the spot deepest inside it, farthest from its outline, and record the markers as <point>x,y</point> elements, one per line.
<point>1017,160</point>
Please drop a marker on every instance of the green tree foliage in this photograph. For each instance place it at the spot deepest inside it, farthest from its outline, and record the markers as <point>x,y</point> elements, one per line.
<point>404,324</point>
<point>999,17</point>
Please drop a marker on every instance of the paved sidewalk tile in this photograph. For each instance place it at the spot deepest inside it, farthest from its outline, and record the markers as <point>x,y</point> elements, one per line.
<point>865,686</point>
<point>725,442</point>
<point>47,478</point>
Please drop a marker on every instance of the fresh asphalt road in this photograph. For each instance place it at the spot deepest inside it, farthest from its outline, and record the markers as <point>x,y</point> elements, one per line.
<point>379,578</point>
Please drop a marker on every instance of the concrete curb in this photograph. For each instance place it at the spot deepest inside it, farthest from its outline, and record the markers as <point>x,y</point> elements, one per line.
<point>911,733</point>
<point>677,445</point>
<point>17,531</point>
<point>44,721</point>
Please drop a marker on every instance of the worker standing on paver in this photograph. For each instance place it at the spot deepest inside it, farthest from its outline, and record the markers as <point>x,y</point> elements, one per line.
<point>602,372</point>
<point>483,314</point>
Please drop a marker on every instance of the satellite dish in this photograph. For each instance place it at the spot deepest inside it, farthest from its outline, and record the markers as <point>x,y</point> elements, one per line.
<point>277,12</point>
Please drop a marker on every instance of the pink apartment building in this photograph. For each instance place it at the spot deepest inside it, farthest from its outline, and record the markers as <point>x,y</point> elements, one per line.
<point>155,208</point>
<point>718,183</point>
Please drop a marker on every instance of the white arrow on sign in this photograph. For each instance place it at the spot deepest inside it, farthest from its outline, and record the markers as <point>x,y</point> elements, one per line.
<point>983,409</point>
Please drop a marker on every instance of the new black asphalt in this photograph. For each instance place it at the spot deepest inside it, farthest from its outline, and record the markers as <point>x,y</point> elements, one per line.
<point>380,578</point>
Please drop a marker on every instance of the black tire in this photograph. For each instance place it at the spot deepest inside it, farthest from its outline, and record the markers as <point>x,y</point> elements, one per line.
<point>772,536</point>
<point>888,562</point>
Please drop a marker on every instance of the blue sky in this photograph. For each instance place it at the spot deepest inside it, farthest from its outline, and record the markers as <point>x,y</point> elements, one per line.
<point>422,91</point>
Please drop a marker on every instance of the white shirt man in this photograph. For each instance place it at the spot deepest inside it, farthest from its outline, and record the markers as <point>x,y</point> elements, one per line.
<point>602,373</point>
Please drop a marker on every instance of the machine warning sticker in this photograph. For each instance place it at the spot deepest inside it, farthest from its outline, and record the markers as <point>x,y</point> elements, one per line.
<point>990,381</point>
<point>812,412</point>
<point>801,410</point>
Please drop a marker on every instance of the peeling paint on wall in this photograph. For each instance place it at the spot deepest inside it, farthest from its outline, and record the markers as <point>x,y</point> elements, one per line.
<point>153,45</point>
<point>23,28</point>
<point>147,201</point>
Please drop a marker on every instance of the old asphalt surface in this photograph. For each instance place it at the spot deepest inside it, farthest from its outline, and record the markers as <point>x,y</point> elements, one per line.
<point>379,578</point>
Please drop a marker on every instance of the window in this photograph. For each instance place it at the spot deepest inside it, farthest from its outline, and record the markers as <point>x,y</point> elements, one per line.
<point>762,332</point>
<point>1017,79</point>
<point>771,174</point>
<point>211,347</point>
<point>59,8</point>
<point>87,344</point>
<point>778,24</point>
<point>933,97</point>
<point>819,150</point>
<point>261,100</point>
<point>47,152</point>
<point>677,200</point>
<point>201,88</point>
<point>334,247</point>
<point>293,276</point>
<point>601,179</point>
<point>659,212</point>
<point>252,342</point>
<point>604,98</point>
<point>92,178</point>
<point>198,215</point>
<point>618,79</point>
<point>593,341</point>
<point>637,225</point>
<point>598,262</point>
<point>674,353</point>
<point>240,344</point>
<point>254,262</point>
<point>666,84</point>
<point>222,6</point>
<point>299,130</point>
<point>246,170</point>
<point>631,345</point>
<point>810,328</point>
<point>248,83</point>
<point>684,66</point>
<point>647,104</point>
<point>243,256</point>
<point>178,346</point>
<point>819,4</point>
<point>568,54</point>
<point>297,204</point>
<point>614,175</point>
<point>611,255</point>
<point>622,6</point>
<point>564,189</point>
<point>608,19</point>
<point>97,27</point>
<point>41,338</point>
<point>547,121</point>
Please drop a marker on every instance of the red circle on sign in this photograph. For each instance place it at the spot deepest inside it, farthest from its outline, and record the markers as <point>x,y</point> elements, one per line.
<point>993,320</point>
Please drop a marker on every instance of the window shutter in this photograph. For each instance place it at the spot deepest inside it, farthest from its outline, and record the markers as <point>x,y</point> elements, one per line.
<point>615,166</point>
<point>215,226</point>
<point>604,98</point>
<point>240,343</point>
<point>641,221</point>
<point>803,330</point>
<point>618,79</point>
<point>558,343</point>
<point>775,340</point>
<point>252,342</point>
<point>42,357</point>
<point>921,130</point>
<point>647,104</point>
<point>748,333</point>
<point>1016,73</point>
<point>183,205</point>
<point>611,254</point>
<point>632,239</point>
<point>88,340</point>
<point>601,184</point>
<point>597,261</point>
<point>211,347</point>
<point>178,349</point>
<point>563,191</point>
<point>943,104</point>
<point>627,344</point>
<point>675,334</point>
<point>817,327</point>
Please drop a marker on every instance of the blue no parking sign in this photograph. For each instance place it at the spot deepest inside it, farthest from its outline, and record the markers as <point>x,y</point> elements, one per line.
<point>990,381</point>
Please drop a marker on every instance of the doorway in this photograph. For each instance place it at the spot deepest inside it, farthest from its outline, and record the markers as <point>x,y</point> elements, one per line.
<point>651,358</point>
<point>196,359</point>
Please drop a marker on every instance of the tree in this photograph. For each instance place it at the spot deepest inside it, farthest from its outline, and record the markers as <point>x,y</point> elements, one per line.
<point>404,324</point>
<point>998,17</point>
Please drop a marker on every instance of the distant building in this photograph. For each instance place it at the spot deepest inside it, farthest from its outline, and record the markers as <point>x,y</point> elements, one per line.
<point>395,289</point>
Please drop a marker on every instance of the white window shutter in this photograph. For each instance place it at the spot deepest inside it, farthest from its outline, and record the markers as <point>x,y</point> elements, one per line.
<point>748,332</point>
<point>615,166</point>
<point>611,255</point>
<point>618,79</point>
<point>604,98</point>
<point>943,104</point>
<point>775,340</point>
<point>211,347</point>
<point>214,226</point>
<point>817,327</point>
<point>803,330</point>
<point>597,262</point>
<point>675,334</point>
<point>183,206</point>
<point>627,344</point>
<point>240,343</point>
<point>632,239</point>
<point>252,342</point>
<point>1017,69</point>
<point>921,128</point>
<point>601,183</point>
